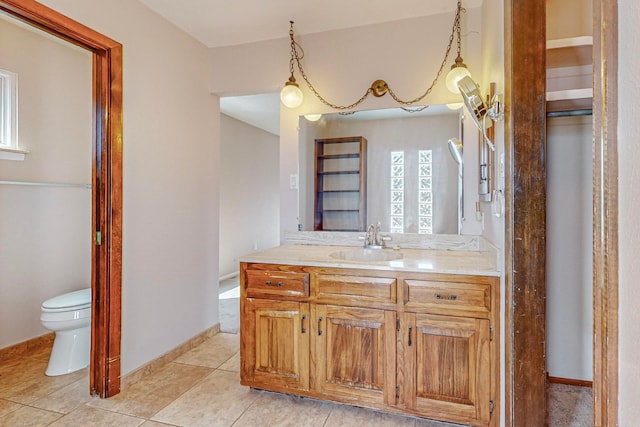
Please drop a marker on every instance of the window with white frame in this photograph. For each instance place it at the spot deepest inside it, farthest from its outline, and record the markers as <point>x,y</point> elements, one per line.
<point>8,110</point>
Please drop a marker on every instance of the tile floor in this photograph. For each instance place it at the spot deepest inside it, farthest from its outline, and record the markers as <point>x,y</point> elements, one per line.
<point>199,388</point>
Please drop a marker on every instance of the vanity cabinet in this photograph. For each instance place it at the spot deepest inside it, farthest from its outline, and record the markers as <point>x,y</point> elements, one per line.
<point>278,353</point>
<point>354,353</point>
<point>415,343</point>
<point>446,363</point>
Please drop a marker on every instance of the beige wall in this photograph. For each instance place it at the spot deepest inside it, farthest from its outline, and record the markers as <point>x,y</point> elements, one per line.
<point>45,242</point>
<point>569,248</point>
<point>171,158</point>
<point>249,191</point>
<point>629,208</point>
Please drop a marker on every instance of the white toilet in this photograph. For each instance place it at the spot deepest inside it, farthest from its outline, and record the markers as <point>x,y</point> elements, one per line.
<point>69,316</point>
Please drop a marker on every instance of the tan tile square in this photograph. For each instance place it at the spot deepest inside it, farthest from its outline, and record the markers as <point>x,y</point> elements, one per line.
<point>67,398</point>
<point>213,352</point>
<point>217,401</point>
<point>28,382</point>
<point>156,424</point>
<point>6,407</point>
<point>154,392</point>
<point>28,416</point>
<point>20,369</point>
<point>282,410</point>
<point>351,416</point>
<point>88,416</point>
<point>233,364</point>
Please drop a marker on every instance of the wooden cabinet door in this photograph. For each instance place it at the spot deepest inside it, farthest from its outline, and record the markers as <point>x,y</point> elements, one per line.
<point>446,369</point>
<point>353,350</point>
<point>275,344</point>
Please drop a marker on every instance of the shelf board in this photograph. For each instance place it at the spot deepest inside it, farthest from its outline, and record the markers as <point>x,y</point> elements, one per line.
<point>570,52</point>
<point>338,191</point>
<point>560,95</point>
<point>569,100</point>
<point>339,173</point>
<point>340,156</point>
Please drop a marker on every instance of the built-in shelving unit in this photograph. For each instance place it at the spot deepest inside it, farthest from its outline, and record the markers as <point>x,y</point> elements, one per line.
<point>340,184</point>
<point>569,74</point>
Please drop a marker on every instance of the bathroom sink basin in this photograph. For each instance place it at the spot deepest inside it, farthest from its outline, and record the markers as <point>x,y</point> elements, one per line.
<point>366,255</point>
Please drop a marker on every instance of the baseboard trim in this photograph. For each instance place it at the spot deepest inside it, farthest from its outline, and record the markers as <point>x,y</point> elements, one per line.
<point>569,381</point>
<point>28,346</point>
<point>156,364</point>
<point>228,276</point>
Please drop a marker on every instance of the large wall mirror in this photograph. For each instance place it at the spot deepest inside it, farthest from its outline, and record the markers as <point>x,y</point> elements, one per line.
<point>429,175</point>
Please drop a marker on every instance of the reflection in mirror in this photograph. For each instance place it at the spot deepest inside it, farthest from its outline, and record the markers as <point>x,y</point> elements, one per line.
<point>412,180</point>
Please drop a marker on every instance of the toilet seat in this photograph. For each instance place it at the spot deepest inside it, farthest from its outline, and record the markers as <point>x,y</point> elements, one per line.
<point>72,301</point>
<point>65,315</point>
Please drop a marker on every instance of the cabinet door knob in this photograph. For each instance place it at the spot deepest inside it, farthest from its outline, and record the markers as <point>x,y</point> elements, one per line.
<point>304,330</point>
<point>319,326</point>
<point>409,342</point>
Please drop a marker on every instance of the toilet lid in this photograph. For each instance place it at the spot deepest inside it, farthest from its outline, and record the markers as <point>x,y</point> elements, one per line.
<point>71,299</point>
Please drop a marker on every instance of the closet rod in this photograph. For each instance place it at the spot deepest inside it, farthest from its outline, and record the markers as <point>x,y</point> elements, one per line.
<point>45,184</point>
<point>569,113</point>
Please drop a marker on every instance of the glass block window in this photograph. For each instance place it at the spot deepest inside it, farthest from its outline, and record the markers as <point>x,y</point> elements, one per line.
<point>397,192</point>
<point>425,192</point>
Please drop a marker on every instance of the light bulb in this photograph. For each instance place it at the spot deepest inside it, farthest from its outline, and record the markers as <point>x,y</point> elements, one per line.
<point>291,95</point>
<point>455,75</point>
<point>312,117</point>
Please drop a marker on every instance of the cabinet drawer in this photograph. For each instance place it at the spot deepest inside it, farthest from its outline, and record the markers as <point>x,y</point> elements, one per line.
<point>447,297</point>
<point>354,290</point>
<point>265,283</point>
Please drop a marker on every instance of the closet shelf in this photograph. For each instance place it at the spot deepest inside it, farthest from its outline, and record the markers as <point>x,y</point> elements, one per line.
<point>570,52</point>
<point>571,99</point>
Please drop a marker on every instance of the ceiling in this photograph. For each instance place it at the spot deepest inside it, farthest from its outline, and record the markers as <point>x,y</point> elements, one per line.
<point>218,23</point>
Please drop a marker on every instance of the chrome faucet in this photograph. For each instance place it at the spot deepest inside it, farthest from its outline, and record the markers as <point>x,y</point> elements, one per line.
<point>374,239</point>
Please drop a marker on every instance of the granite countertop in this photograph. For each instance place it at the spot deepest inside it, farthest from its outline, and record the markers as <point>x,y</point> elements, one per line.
<point>470,259</point>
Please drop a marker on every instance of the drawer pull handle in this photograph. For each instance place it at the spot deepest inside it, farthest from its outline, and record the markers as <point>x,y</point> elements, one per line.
<point>270,283</point>
<point>304,317</point>
<point>410,328</point>
<point>451,297</point>
<point>319,326</point>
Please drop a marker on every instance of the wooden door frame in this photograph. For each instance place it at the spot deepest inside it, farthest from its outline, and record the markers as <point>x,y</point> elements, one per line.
<point>106,190</point>
<point>605,213</point>
<point>525,153</point>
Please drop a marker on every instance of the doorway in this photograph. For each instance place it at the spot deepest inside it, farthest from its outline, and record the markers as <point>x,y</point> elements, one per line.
<point>106,192</point>
<point>525,275</point>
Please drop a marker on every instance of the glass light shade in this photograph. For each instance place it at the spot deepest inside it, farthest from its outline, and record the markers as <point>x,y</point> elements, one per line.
<point>455,75</point>
<point>291,95</point>
<point>455,105</point>
<point>312,117</point>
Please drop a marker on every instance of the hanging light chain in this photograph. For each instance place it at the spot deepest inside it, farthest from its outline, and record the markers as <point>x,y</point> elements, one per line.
<point>454,29</point>
<point>456,24</point>
<point>298,57</point>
